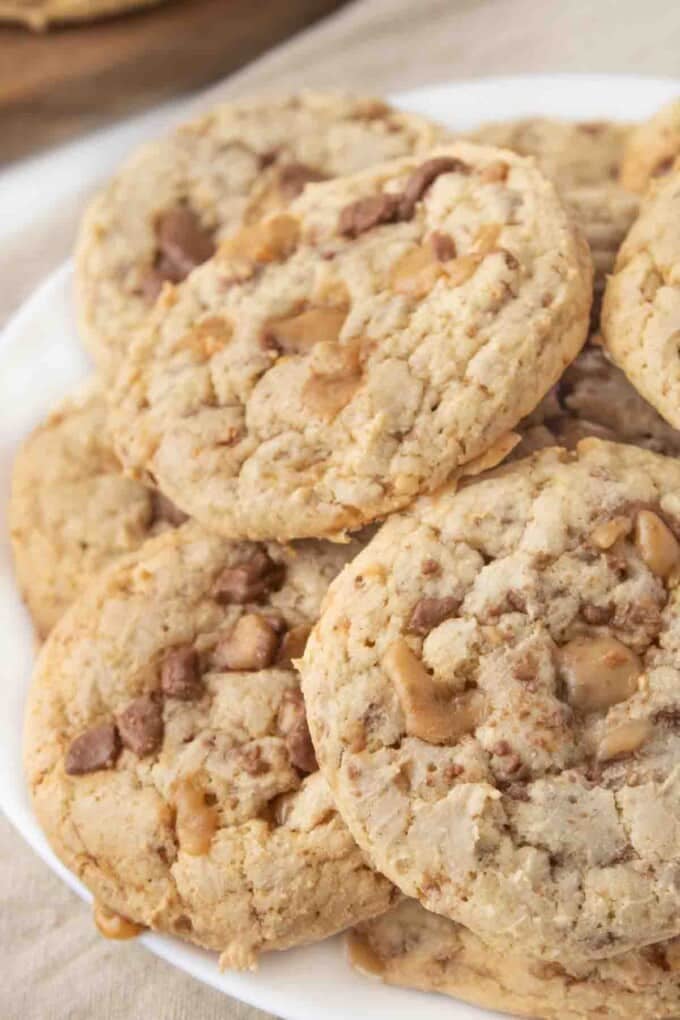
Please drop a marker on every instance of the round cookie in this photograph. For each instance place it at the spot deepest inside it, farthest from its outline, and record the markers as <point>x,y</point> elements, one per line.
<point>71,509</point>
<point>594,398</point>
<point>651,148</point>
<point>174,200</point>
<point>40,14</point>
<point>573,154</point>
<point>413,948</point>
<point>641,309</point>
<point>493,690</point>
<point>332,361</point>
<point>168,755</point>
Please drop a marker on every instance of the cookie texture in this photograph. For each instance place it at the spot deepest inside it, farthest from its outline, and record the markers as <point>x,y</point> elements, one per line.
<point>331,362</point>
<point>411,947</point>
<point>492,691</point>
<point>40,14</point>
<point>71,509</point>
<point>594,398</point>
<point>176,198</point>
<point>167,752</point>
<point>651,148</point>
<point>641,309</point>
<point>573,154</point>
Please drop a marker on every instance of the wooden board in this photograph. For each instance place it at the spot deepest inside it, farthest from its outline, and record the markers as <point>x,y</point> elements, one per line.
<point>73,79</point>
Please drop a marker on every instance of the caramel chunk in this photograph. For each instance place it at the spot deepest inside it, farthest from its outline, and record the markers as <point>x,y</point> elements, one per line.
<point>294,176</point>
<point>415,272</point>
<point>114,926</point>
<point>494,172</point>
<point>251,645</point>
<point>298,333</point>
<point>249,580</point>
<point>606,534</point>
<point>195,821</point>
<point>431,712</point>
<point>140,725</point>
<point>181,674</point>
<point>460,270</point>
<point>364,214</point>
<point>95,749</point>
<point>269,240</point>
<point>293,645</point>
<point>428,613</point>
<point>183,243</point>
<point>624,739</point>
<point>656,543</point>
<point>292,723</point>
<point>363,957</point>
<point>328,390</point>
<point>598,672</point>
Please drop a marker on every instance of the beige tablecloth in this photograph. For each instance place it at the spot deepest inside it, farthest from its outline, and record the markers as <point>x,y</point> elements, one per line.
<point>53,965</point>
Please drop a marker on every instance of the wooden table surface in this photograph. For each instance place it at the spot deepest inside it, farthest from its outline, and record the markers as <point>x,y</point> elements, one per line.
<point>72,79</point>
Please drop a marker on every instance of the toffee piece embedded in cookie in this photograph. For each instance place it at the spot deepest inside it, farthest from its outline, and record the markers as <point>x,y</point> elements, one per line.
<point>168,754</point>
<point>514,766</point>
<point>331,362</point>
<point>177,198</point>
<point>641,311</point>
<point>413,948</point>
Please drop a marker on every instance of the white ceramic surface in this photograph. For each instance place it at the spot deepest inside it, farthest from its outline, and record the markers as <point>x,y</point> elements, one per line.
<point>40,360</point>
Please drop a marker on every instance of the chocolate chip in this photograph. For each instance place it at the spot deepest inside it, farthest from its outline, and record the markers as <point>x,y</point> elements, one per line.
<point>293,645</point>
<point>430,566</point>
<point>251,645</point>
<point>422,178</point>
<point>183,243</point>
<point>97,748</point>
<point>140,724</point>
<point>180,674</point>
<point>366,213</point>
<point>163,509</point>
<point>428,613</point>
<point>443,246</point>
<point>251,761</point>
<point>249,580</point>
<point>292,722</point>
<point>294,176</point>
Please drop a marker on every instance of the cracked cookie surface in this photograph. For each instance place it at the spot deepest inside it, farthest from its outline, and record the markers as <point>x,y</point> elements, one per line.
<point>71,509</point>
<point>413,948</point>
<point>641,310</point>
<point>172,202</point>
<point>333,361</point>
<point>168,756</point>
<point>493,690</point>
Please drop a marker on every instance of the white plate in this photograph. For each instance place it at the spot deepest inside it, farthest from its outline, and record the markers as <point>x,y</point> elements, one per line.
<point>40,360</point>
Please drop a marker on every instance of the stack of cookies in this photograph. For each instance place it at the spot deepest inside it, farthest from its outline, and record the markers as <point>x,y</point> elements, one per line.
<point>313,658</point>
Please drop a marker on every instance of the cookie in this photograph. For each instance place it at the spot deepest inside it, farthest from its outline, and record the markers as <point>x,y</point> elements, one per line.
<point>332,361</point>
<point>176,198</point>
<point>651,148</point>
<point>411,947</point>
<point>594,398</point>
<point>641,309</point>
<point>168,756</point>
<point>71,509</point>
<point>493,691</point>
<point>40,14</point>
<point>574,155</point>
